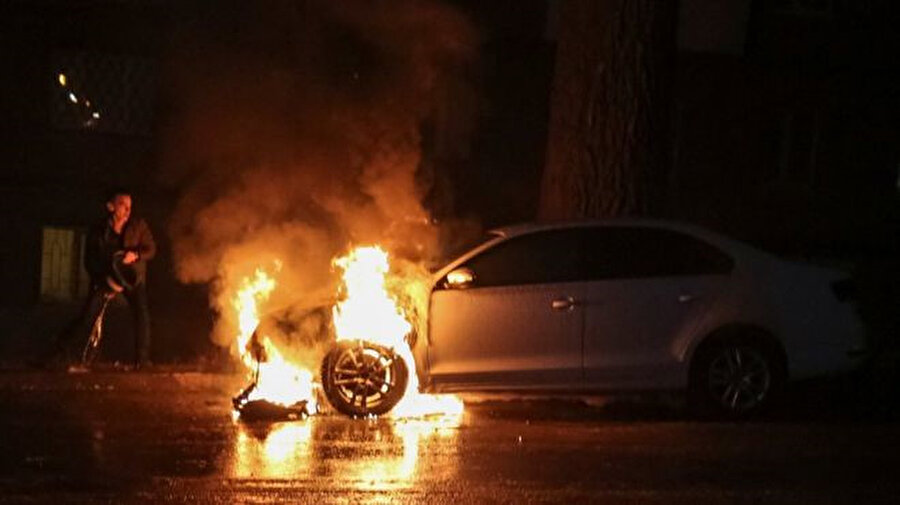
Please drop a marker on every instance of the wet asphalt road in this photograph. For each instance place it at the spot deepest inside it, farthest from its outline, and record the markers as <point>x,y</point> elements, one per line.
<point>167,437</point>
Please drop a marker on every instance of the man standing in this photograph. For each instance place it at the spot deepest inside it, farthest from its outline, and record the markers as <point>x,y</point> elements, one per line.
<point>116,255</point>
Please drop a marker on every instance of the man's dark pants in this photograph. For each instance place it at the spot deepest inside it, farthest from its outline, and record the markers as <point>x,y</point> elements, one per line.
<point>80,328</point>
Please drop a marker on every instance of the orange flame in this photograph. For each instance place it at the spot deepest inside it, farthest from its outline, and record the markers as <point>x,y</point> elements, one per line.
<point>366,311</point>
<point>369,312</point>
<point>277,380</point>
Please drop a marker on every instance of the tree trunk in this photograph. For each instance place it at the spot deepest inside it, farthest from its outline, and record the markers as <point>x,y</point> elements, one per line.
<point>608,147</point>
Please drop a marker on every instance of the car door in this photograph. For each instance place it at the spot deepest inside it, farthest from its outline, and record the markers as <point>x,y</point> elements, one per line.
<point>517,324</point>
<point>649,286</point>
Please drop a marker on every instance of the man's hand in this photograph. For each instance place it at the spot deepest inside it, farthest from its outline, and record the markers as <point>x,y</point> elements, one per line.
<point>114,286</point>
<point>130,257</point>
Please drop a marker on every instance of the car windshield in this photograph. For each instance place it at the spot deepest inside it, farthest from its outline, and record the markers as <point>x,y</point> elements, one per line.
<point>460,247</point>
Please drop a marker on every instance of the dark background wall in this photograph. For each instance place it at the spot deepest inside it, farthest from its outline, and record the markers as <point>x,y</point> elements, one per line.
<point>54,170</point>
<point>785,124</point>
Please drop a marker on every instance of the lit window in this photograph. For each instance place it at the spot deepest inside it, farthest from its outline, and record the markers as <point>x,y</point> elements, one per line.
<point>63,277</point>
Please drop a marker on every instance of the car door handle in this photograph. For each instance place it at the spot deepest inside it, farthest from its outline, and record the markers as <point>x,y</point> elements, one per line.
<point>567,303</point>
<point>685,298</point>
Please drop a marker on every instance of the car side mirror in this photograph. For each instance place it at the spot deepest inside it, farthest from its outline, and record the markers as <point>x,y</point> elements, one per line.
<point>459,278</point>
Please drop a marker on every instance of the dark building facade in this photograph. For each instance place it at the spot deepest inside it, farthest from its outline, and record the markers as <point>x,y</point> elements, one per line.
<point>80,95</point>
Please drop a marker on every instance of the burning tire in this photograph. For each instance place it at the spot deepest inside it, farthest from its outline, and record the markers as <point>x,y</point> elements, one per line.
<point>360,378</point>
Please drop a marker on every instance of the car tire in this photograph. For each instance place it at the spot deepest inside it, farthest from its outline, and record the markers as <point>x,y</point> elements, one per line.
<point>360,378</point>
<point>735,378</point>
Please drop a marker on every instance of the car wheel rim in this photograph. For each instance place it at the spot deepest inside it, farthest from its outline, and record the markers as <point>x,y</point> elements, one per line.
<point>739,378</point>
<point>363,376</point>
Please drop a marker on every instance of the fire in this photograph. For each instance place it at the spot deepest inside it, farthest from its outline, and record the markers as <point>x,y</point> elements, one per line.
<point>253,290</point>
<point>366,310</point>
<point>369,312</point>
<point>276,379</point>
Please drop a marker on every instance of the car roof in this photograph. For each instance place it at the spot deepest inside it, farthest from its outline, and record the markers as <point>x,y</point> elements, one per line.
<point>737,249</point>
<point>525,228</point>
<point>728,244</point>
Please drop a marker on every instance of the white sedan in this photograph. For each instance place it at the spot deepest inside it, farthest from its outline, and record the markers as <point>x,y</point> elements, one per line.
<point>634,305</point>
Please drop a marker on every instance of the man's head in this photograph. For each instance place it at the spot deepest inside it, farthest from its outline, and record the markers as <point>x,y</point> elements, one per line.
<point>118,204</point>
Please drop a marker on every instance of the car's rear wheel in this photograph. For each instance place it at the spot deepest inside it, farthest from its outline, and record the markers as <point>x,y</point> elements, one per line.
<point>360,378</point>
<point>735,378</point>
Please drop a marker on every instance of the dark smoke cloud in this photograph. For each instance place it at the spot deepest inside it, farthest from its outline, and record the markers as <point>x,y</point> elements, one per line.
<point>294,131</point>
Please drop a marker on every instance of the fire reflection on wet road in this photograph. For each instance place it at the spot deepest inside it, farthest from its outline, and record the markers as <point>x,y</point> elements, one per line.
<point>367,454</point>
<point>171,438</point>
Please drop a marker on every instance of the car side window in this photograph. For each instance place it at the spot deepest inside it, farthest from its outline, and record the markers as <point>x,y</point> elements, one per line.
<point>537,258</point>
<point>638,252</point>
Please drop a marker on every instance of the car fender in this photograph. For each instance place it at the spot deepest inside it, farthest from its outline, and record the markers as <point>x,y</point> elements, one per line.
<point>737,309</point>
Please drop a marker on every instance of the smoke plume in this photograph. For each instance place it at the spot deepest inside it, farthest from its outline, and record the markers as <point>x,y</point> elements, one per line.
<point>294,132</point>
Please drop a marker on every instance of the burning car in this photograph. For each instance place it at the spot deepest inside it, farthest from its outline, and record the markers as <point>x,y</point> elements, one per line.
<point>601,307</point>
<point>364,334</point>
<point>358,377</point>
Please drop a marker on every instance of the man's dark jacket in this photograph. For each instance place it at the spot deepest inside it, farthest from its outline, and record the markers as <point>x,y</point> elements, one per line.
<point>103,243</point>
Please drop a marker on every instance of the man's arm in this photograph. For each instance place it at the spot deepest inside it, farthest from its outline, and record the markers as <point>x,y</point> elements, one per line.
<point>146,247</point>
<point>139,243</point>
